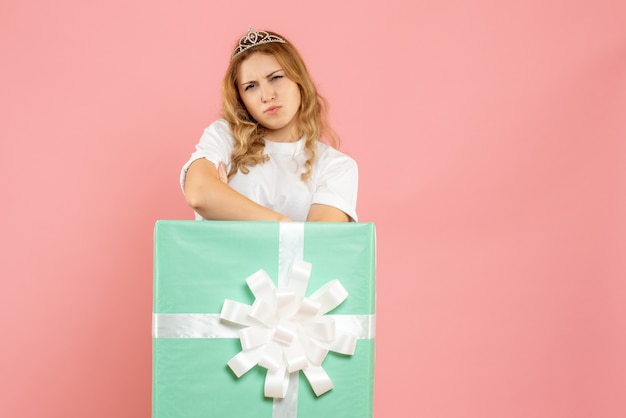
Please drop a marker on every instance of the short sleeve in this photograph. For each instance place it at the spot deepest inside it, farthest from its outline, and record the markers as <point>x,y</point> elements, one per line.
<point>216,144</point>
<point>336,182</point>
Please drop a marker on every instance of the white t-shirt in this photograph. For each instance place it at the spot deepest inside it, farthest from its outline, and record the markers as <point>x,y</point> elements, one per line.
<point>276,184</point>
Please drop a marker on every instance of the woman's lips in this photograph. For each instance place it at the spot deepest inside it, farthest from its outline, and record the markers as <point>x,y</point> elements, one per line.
<point>272,110</point>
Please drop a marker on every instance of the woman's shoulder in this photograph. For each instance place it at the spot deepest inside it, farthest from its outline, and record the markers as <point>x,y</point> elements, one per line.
<point>332,162</point>
<point>218,130</point>
<point>220,126</point>
<point>326,153</point>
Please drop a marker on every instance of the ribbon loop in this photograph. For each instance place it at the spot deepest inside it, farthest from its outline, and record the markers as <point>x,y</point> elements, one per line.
<point>244,361</point>
<point>315,351</point>
<point>284,333</point>
<point>253,337</point>
<point>308,308</point>
<point>321,328</point>
<point>237,313</point>
<point>343,343</point>
<point>296,357</point>
<point>272,358</point>
<point>260,284</point>
<point>329,296</point>
<point>319,380</point>
<point>276,383</point>
<point>264,311</point>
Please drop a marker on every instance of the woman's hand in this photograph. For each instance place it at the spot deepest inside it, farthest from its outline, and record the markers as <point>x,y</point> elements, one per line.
<point>221,171</point>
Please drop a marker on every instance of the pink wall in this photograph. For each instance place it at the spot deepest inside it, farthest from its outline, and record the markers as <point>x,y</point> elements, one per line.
<point>492,145</point>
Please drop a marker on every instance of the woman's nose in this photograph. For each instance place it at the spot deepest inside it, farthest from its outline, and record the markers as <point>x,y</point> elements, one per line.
<point>267,94</point>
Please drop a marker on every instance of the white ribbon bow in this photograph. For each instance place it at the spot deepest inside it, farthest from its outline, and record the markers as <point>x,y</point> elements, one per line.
<point>286,332</point>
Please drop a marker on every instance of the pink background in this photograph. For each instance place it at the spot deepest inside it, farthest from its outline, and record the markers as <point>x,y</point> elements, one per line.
<point>491,140</point>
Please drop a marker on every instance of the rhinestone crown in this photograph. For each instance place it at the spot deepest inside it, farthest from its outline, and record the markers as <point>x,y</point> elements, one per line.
<point>253,39</point>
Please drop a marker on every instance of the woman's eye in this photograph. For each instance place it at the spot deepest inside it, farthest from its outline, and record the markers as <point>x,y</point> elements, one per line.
<point>276,77</point>
<point>248,87</point>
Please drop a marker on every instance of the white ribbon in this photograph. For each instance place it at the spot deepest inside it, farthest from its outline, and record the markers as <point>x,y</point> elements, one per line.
<point>184,325</point>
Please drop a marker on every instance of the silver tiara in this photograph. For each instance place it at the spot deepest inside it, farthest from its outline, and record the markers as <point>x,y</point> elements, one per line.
<point>253,39</point>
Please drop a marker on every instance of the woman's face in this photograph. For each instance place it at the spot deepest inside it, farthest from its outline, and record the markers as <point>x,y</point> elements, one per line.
<point>271,98</point>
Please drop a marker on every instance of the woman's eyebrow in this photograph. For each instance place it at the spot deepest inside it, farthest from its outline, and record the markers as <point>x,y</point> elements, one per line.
<point>273,72</point>
<point>267,76</point>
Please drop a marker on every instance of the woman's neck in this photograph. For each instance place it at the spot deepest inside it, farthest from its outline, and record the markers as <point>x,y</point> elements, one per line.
<point>287,134</point>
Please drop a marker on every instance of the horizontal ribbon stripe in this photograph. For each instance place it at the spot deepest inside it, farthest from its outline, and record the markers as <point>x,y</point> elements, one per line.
<point>184,325</point>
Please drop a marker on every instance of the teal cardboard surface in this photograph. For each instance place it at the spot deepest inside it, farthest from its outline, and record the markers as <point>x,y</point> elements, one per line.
<point>199,264</point>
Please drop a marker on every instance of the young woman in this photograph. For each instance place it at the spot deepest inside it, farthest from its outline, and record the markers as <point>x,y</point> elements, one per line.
<point>265,160</point>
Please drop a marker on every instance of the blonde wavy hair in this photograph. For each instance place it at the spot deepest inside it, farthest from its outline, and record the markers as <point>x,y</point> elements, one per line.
<point>248,134</point>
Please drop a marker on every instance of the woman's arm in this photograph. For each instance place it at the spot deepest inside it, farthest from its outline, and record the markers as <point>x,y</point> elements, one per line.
<point>213,199</point>
<point>325,213</point>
